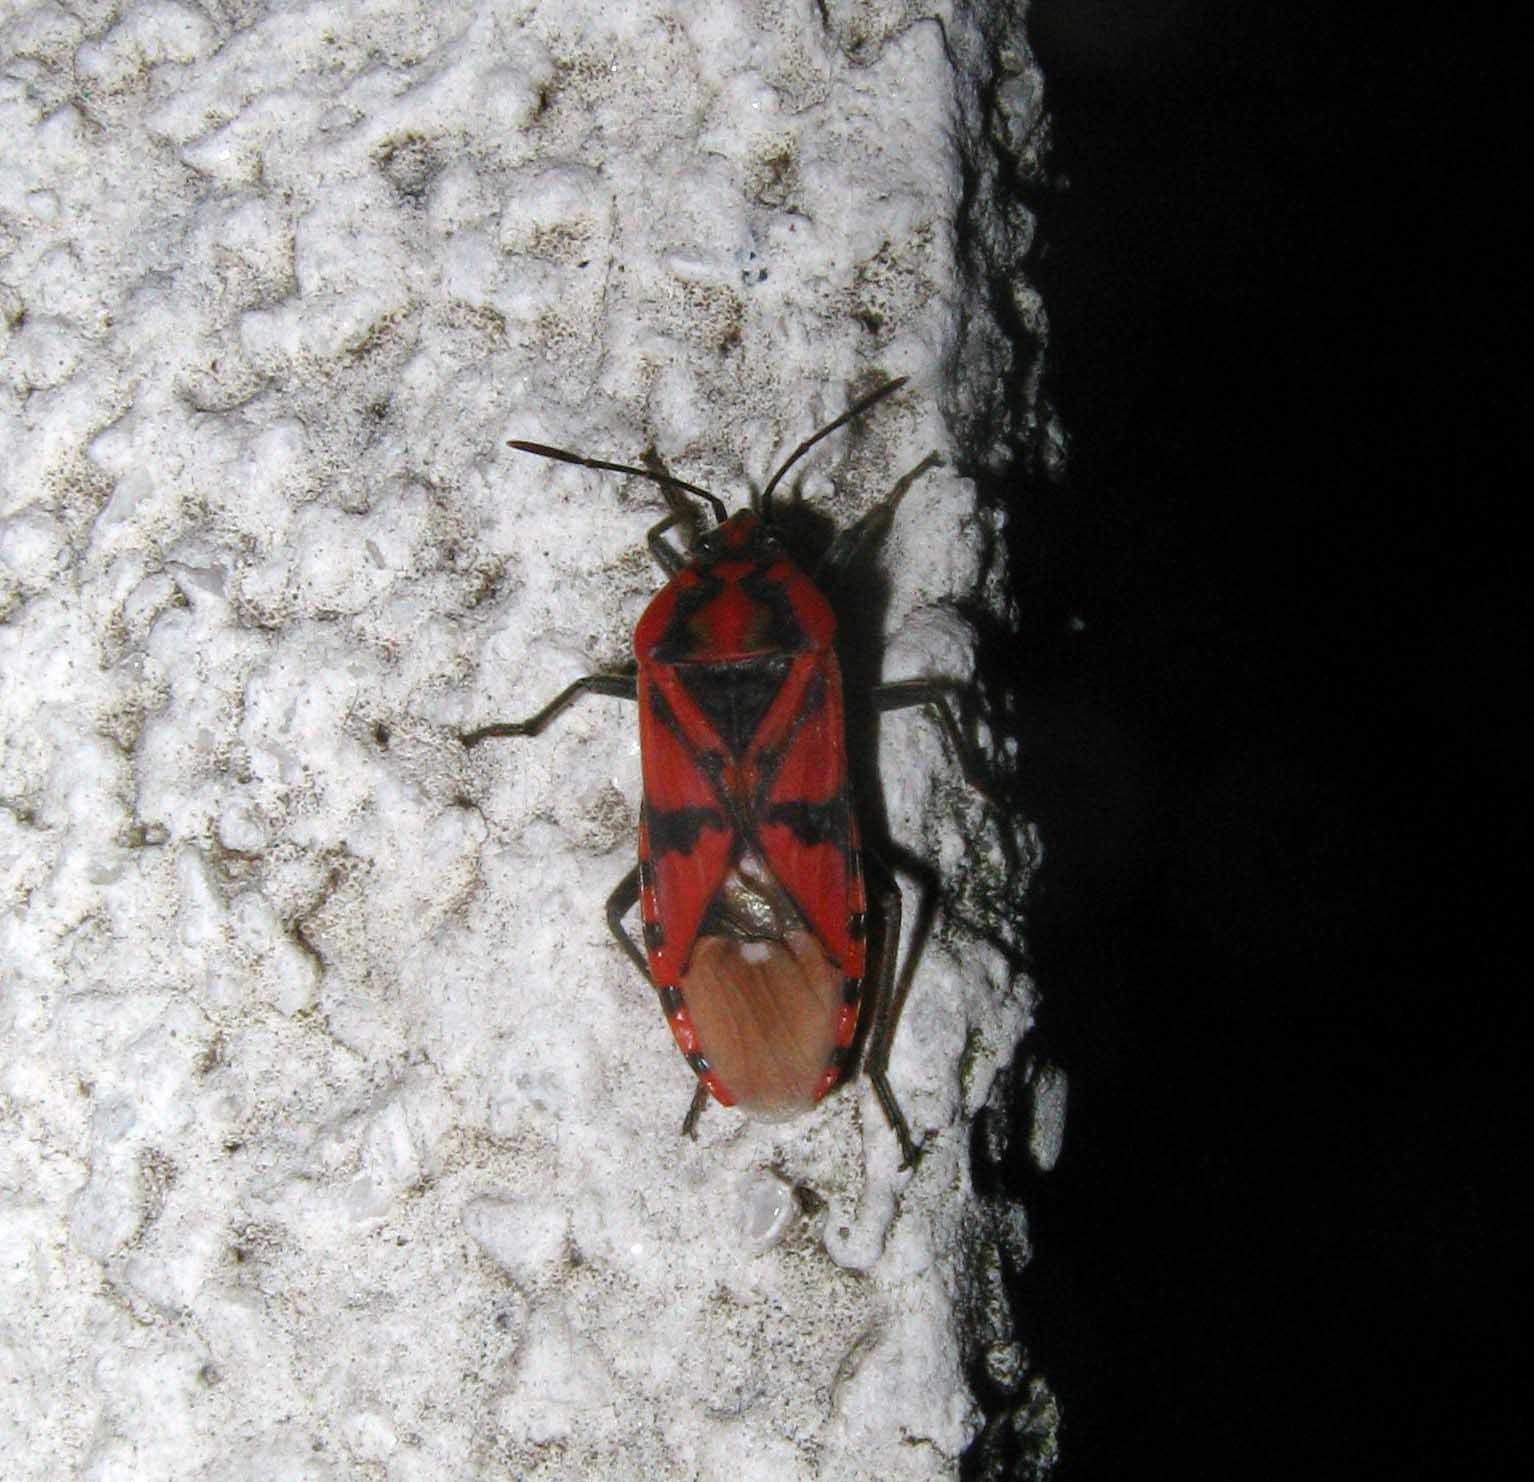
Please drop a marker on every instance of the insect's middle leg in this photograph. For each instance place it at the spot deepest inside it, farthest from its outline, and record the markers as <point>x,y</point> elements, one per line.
<point>901,694</point>
<point>619,686</point>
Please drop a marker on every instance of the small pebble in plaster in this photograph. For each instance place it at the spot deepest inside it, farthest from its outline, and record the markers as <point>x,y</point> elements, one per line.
<point>766,1206</point>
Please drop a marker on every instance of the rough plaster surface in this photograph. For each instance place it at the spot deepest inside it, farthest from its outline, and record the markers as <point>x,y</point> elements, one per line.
<point>338,1139</point>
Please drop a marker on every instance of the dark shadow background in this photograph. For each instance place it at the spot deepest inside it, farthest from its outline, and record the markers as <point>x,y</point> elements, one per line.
<point>1273,649</point>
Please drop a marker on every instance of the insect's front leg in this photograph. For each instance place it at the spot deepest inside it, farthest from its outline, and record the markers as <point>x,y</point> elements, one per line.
<point>872,527</point>
<point>666,558</point>
<point>619,686</point>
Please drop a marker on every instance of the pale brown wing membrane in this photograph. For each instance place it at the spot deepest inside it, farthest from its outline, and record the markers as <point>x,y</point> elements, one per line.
<point>767,1014</point>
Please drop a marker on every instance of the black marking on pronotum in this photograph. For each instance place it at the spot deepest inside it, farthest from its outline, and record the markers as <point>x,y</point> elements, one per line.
<point>654,934</point>
<point>735,696</point>
<point>680,641</point>
<point>812,823</point>
<point>783,629</point>
<point>676,830</point>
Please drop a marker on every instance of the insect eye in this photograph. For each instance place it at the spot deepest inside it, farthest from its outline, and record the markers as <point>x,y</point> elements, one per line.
<point>707,545</point>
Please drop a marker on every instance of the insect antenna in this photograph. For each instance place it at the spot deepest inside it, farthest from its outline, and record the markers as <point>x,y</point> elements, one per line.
<point>855,410</point>
<point>561,456</point>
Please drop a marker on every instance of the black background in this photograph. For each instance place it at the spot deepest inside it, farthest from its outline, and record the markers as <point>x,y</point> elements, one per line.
<point>1273,650</point>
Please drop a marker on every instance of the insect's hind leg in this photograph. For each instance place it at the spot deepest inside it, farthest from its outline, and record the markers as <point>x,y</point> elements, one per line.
<point>619,904</point>
<point>619,686</point>
<point>695,1110</point>
<point>886,1004</point>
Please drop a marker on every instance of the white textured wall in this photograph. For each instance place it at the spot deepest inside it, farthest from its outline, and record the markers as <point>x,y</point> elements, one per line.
<point>338,1139</point>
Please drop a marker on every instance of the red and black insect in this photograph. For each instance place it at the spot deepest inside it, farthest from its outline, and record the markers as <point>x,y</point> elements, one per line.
<point>751,877</point>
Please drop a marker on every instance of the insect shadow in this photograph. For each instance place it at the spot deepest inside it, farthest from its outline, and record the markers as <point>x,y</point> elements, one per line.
<point>854,576</point>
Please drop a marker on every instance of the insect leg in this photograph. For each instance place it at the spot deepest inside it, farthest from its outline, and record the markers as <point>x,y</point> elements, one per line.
<point>886,1005</point>
<point>620,686</point>
<point>667,559</point>
<point>619,904</point>
<point>900,694</point>
<point>699,1101</point>
<point>873,526</point>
